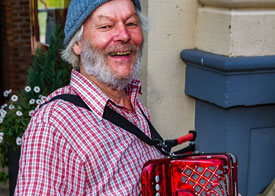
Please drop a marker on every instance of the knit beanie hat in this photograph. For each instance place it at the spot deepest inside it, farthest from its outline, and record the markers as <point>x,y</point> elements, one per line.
<point>79,11</point>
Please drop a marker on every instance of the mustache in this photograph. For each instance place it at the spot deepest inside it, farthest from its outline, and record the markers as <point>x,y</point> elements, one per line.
<point>121,48</point>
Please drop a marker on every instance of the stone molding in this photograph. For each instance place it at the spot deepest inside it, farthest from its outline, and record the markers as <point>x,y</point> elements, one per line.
<point>236,32</point>
<point>229,81</point>
<point>239,3</point>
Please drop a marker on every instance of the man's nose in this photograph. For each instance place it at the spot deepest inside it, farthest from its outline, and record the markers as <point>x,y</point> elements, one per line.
<point>122,34</point>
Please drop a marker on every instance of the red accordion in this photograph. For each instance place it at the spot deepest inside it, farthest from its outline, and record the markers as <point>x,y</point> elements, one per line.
<point>191,174</point>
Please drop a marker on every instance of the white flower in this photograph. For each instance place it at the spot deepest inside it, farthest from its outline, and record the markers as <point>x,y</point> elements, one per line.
<point>19,113</point>
<point>38,101</point>
<point>1,120</point>
<point>32,101</point>
<point>3,113</point>
<point>1,139</point>
<point>14,98</point>
<point>9,91</point>
<point>18,141</point>
<point>1,134</point>
<point>28,89</point>
<point>11,107</point>
<point>31,112</point>
<point>6,93</point>
<point>36,89</point>
<point>4,106</point>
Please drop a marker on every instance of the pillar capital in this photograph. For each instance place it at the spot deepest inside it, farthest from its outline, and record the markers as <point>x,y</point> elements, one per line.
<point>239,3</point>
<point>230,81</point>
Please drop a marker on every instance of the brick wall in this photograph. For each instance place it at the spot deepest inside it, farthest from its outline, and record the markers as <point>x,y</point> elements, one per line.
<point>15,41</point>
<point>15,49</point>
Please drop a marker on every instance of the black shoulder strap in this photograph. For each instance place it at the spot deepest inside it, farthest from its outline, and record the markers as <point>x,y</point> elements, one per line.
<point>120,121</point>
<point>74,99</point>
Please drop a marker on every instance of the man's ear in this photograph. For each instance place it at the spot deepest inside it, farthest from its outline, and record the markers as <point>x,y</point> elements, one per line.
<point>77,48</point>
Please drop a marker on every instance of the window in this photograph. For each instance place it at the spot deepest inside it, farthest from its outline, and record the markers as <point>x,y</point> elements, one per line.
<point>45,15</point>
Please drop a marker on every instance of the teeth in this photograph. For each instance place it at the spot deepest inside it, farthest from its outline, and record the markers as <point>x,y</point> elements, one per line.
<point>120,53</point>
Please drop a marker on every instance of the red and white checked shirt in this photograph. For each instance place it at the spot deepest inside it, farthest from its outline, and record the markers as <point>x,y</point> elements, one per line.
<point>68,150</point>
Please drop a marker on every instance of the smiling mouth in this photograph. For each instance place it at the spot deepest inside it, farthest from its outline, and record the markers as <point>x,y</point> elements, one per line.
<point>125,53</point>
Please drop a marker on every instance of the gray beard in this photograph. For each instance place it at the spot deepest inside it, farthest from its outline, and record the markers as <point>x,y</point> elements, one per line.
<point>94,64</point>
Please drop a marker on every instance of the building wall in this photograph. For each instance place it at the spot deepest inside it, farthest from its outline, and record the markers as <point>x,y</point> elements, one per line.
<point>15,32</point>
<point>171,29</point>
<point>228,29</point>
<point>234,62</point>
<point>15,49</point>
<point>236,27</point>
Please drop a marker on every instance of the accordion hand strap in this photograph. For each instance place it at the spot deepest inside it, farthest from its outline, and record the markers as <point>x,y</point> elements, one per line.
<point>120,121</point>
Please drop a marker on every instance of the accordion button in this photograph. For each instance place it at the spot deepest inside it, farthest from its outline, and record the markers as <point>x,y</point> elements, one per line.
<point>157,187</point>
<point>157,179</point>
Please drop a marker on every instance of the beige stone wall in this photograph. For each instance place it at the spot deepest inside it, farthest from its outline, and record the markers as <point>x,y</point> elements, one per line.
<point>227,27</point>
<point>239,3</point>
<point>172,29</point>
<point>142,76</point>
<point>236,27</point>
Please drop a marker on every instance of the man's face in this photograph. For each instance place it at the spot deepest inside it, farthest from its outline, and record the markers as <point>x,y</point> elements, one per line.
<point>114,30</point>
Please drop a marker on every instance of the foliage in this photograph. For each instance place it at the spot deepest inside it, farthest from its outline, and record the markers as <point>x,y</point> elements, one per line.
<point>48,73</point>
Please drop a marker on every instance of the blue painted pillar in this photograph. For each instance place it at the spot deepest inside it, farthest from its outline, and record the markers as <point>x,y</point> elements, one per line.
<point>235,112</point>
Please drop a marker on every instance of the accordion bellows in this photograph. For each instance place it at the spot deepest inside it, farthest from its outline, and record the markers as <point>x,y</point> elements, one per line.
<point>197,174</point>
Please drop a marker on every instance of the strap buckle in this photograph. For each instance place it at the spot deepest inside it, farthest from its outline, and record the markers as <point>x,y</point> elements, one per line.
<point>163,147</point>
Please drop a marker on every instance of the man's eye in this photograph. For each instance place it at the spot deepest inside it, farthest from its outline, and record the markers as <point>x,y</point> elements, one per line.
<point>105,27</point>
<point>130,24</point>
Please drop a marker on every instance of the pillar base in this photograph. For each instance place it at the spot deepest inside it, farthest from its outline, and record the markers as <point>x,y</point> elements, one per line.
<point>235,111</point>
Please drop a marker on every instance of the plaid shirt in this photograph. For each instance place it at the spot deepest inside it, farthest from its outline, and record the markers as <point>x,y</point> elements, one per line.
<point>68,150</point>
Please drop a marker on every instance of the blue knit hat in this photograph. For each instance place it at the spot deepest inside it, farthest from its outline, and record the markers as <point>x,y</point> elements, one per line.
<point>79,11</point>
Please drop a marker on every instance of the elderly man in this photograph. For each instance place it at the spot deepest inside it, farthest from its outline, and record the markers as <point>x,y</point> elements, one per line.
<point>69,150</point>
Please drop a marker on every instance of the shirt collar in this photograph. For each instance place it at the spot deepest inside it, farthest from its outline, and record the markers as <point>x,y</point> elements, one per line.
<point>95,98</point>
<point>133,89</point>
